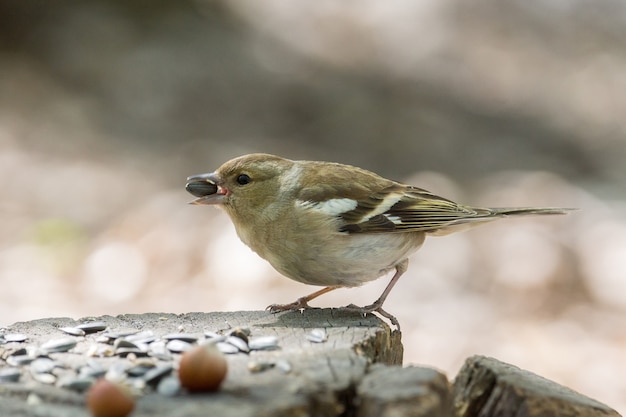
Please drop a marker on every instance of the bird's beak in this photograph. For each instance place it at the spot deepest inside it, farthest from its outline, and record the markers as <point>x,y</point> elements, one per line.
<point>207,187</point>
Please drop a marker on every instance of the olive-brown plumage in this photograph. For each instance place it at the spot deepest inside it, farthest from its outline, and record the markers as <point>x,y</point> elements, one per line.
<point>329,224</point>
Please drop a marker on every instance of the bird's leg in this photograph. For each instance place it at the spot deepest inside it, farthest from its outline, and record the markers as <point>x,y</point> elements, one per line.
<point>302,302</point>
<point>377,306</point>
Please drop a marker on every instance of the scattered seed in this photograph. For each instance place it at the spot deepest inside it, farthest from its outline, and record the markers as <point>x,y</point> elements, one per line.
<point>117,372</point>
<point>91,370</point>
<point>124,343</point>
<point>178,346</point>
<point>185,337</point>
<point>73,331</point>
<point>127,351</point>
<point>169,386</point>
<point>226,348</point>
<point>256,367</point>
<point>19,360</point>
<point>283,365</point>
<point>317,336</point>
<point>10,374</point>
<point>92,326</point>
<point>146,336</point>
<point>213,340</point>
<point>153,376</point>
<point>263,343</point>
<point>15,337</point>
<point>120,333</point>
<point>47,379</point>
<point>80,384</point>
<point>159,350</point>
<point>241,332</point>
<point>42,365</point>
<point>238,343</point>
<point>139,370</point>
<point>59,345</point>
<point>33,399</point>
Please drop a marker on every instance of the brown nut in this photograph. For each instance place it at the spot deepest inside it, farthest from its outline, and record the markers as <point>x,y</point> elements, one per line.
<point>202,369</point>
<point>108,399</point>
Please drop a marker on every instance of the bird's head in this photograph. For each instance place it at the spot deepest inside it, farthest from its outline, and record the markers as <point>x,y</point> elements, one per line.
<point>241,185</point>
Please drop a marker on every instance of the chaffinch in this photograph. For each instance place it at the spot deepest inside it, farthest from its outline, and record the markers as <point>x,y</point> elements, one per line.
<point>333,225</point>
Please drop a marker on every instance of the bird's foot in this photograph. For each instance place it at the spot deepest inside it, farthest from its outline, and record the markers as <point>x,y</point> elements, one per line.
<point>374,308</point>
<point>299,304</point>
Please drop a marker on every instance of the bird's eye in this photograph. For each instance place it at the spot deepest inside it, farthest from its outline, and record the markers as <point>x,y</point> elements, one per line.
<point>243,179</point>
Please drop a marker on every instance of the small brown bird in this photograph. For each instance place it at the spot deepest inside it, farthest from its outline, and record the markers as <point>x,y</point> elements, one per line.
<point>333,225</point>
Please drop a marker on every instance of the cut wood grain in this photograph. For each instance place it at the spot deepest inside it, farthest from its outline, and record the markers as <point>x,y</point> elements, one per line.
<point>486,387</point>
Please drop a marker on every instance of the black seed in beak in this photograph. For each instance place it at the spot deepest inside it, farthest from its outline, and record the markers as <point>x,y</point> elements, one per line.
<point>201,188</point>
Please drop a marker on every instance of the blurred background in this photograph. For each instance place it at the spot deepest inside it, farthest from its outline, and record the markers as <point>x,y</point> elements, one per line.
<point>106,107</point>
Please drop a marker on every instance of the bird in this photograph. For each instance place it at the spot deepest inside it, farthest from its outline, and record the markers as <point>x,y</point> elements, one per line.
<point>333,225</point>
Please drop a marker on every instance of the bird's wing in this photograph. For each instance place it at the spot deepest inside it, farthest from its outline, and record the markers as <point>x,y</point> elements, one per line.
<point>409,209</point>
<point>367,203</point>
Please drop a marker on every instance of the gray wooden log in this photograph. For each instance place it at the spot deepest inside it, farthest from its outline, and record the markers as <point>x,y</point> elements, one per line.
<point>391,391</point>
<point>352,373</point>
<point>322,380</point>
<point>486,387</point>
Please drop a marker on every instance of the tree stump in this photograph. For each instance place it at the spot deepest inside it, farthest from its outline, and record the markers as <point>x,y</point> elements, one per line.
<point>326,362</point>
<point>322,379</point>
<point>486,387</point>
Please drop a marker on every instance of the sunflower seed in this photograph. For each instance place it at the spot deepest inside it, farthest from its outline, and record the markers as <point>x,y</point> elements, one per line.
<point>201,188</point>
<point>283,365</point>
<point>185,337</point>
<point>169,386</point>
<point>59,345</point>
<point>153,376</point>
<point>178,346</point>
<point>146,336</point>
<point>212,338</point>
<point>241,332</point>
<point>73,331</point>
<point>117,372</point>
<point>15,337</point>
<point>33,400</point>
<point>129,351</point>
<point>42,365</point>
<point>139,370</point>
<point>21,351</point>
<point>91,370</point>
<point>19,360</point>
<point>47,379</point>
<point>238,343</point>
<point>226,347</point>
<point>159,350</point>
<point>317,336</point>
<point>263,343</point>
<point>79,384</point>
<point>10,374</point>
<point>92,326</point>
<point>120,333</point>
<point>124,343</point>
<point>255,367</point>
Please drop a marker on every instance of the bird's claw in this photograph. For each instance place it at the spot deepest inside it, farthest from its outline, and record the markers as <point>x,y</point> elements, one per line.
<point>299,304</point>
<point>374,308</point>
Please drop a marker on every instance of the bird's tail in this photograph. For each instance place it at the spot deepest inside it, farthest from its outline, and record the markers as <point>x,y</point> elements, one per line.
<point>483,215</point>
<point>517,211</point>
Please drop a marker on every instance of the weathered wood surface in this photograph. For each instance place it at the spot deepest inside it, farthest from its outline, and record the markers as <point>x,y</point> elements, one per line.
<point>486,387</point>
<point>322,380</point>
<point>355,373</point>
<point>406,392</point>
